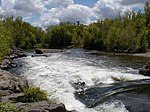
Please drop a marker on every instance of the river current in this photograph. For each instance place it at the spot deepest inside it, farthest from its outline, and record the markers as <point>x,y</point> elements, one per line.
<point>58,71</point>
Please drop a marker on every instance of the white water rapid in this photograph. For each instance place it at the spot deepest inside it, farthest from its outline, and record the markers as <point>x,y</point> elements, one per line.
<point>56,72</point>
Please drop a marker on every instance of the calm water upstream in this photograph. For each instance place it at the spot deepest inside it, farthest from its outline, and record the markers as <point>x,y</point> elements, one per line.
<point>57,72</point>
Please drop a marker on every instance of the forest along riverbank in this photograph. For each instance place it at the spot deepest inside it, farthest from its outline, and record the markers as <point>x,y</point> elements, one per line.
<point>62,74</point>
<point>14,88</point>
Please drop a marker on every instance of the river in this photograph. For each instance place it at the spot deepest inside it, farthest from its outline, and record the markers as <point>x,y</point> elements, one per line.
<point>57,73</point>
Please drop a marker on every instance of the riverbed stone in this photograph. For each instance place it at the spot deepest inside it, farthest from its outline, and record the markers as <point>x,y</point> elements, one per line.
<point>145,70</point>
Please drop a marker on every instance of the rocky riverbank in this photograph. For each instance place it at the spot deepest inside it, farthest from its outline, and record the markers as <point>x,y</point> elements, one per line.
<point>12,89</point>
<point>7,63</point>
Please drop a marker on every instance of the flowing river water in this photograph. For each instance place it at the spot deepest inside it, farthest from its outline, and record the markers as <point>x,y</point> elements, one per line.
<point>59,71</point>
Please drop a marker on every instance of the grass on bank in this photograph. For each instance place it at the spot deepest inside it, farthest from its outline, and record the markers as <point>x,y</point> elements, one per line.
<point>120,79</point>
<point>8,107</point>
<point>33,95</point>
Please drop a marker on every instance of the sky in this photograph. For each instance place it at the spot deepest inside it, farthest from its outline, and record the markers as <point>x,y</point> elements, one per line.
<point>43,13</point>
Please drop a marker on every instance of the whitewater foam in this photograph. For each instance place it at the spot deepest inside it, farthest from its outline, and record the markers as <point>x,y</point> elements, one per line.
<point>54,74</point>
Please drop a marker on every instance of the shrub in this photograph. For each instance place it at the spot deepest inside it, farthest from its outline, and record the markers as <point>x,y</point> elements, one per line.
<point>7,107</point>
<point>33,95</point>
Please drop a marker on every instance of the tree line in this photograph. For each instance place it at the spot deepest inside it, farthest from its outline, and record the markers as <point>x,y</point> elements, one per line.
<point>129,33</point>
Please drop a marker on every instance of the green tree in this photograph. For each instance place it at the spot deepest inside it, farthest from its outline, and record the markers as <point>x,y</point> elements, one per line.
<point>60,36</point>
<point>5,41</point>
<point>147,15</point>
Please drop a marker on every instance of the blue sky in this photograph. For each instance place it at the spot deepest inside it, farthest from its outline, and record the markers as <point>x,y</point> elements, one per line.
<point>44,13</point>
<point>89,3</point>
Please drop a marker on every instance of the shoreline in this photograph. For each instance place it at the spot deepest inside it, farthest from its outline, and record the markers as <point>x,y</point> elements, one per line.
<point>144,55</point>
<point>147,54</point>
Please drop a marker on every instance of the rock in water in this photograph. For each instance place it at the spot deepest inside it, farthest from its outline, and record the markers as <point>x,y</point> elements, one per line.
<point>145,70</point>
<point>38,51</point>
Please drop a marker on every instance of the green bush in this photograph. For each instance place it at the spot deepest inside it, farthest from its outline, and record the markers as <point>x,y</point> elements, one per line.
<point>33,95</point>
<point>7,107</point>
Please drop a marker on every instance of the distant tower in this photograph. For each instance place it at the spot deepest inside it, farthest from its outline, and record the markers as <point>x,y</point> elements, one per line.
<point>0,2</point>
<point>78,23</point>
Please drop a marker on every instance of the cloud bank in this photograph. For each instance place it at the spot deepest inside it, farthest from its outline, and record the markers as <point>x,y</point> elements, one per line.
<point>44,13</point>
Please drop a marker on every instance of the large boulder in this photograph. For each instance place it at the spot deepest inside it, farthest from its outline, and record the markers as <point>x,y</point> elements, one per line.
<point>145,70</point>
<point>42,106</point>
<point>11,84</point>
<point>46,107</point>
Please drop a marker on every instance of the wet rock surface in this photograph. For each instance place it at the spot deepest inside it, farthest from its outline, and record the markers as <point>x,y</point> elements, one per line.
<point>135,95</point>
<point>145,70</point>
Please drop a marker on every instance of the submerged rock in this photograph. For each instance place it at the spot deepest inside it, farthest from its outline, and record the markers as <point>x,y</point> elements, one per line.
<point>145,70</point>
<point>38,55</point>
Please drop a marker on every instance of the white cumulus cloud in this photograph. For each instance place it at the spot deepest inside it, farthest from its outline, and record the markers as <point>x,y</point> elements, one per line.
<point>22,8</point>
<point>72,13</point>
<point>51,12</point>
<point>112,8</point>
